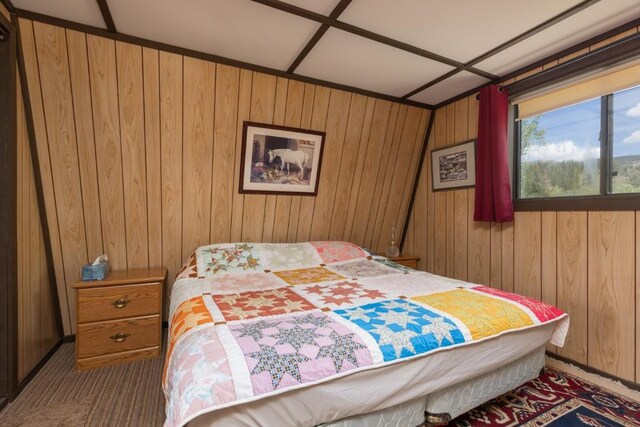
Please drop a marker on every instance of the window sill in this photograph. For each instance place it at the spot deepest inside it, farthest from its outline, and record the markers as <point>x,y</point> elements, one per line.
<point>612,202</point>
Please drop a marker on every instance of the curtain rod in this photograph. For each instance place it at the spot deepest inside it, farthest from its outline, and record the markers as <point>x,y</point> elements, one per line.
<point>500,89</point>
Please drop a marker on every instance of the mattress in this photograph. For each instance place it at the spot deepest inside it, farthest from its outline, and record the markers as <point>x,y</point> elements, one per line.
<point>390,386</point>
<point>297,324</point>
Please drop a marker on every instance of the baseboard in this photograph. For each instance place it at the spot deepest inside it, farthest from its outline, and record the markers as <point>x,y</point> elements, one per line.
<point>3,402</point>
<point>630,384</point>
<point>27,379</point>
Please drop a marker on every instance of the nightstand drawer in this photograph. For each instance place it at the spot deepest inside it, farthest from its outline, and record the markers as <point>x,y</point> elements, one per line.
<point>118,302</point>
<point>115,336</point>
<point>411,263</point>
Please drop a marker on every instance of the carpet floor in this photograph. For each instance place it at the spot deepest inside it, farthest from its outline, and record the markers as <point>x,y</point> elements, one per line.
<point>123,395</point>
<point>131,395</point>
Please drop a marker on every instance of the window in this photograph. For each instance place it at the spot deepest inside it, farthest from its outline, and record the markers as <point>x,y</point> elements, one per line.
<point>625,117</point>
<point>591,148</point>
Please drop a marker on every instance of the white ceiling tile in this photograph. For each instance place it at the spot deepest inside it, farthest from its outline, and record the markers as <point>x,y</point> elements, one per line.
<point>355,61</point>
<point>324,7</point>
<point>82,11</point>
<point>458,29</point>
<point>602,16</point>
<point>448,88</point>
<point>240,30</point>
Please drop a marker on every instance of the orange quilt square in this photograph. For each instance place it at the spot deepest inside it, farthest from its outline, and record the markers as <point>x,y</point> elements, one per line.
<point>247,305</point>
<point>308,275</point>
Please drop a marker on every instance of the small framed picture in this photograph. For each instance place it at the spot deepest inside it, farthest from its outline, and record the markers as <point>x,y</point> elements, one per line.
<point>454,166</point>
<point>280,160</point>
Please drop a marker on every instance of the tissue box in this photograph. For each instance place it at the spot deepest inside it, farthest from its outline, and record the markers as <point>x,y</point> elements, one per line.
<point>95,272</point>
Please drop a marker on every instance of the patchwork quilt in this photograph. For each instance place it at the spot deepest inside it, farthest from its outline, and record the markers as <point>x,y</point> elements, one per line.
<point>249,321</point>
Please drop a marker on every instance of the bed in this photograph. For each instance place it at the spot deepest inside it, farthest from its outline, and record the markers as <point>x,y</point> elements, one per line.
<point>327,333</point>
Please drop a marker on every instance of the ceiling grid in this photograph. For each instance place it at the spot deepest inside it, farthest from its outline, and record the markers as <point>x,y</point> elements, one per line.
<point>417,51</point>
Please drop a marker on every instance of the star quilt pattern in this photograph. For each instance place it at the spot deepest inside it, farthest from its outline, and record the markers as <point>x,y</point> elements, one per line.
<point>250,320</point>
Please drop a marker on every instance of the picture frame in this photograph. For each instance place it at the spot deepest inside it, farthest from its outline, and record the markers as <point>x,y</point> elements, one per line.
<point>454,167</point>
<point>280,160</point>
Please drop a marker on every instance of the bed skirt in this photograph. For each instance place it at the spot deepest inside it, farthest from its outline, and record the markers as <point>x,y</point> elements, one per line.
<point>456,399</point>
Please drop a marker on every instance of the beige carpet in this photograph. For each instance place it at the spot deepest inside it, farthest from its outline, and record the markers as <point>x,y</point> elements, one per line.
<point>124,395</point>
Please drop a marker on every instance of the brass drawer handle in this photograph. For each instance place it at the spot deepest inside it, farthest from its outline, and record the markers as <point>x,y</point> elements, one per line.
<point>120,337</point>
<point>120,303</point>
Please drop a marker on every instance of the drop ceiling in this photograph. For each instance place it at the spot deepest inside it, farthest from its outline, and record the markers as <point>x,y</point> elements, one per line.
<point>425,51</point>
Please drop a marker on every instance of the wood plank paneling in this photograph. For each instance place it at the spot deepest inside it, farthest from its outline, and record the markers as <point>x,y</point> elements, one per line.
<point>27,41</point>
<point>171,114</point>
<point>449,226</point>
<point>484,250</point>
<point>337,118</point>
<point>611,283</point>
<point>430,232</point>
<point>420,220</point>
<point>106,120</point>
<point>572,281</point>
<point>153,162</point>
<point>5,12</point>
<point>549,259</point>
<point>461,208</point>
<point>349,157</point>
<point>527,247</point>
<point>368,178</point>
<point>318,122</point>
<point>293,114</point>
<point>397,197</point>
<point>36,311</point>
<point>81,90</point>
<point>440,212</point>
<point>244,110</point>
<point>496,255</point>
<point>150,143</point>
<point>359,166</point>
<point>23,168</point>
<point>60,127</point>
<point>134,180</point>
<point>507,256</point>
<point>383,185</point>
<point>263,94</point>
<point>226,110</point>
<point>279,111</point>
<point>380,237</point>
<point>412,163</point>
<point>305,123</point>
<point>197,150</point>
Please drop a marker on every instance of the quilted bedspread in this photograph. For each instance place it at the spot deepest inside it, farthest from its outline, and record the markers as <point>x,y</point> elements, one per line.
<point>249,321</point>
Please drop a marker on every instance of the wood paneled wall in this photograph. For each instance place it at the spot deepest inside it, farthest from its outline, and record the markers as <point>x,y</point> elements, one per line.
<point>37,332</point>
<point>139,152</point>
<point>5,12</point>
<point>586,263</point>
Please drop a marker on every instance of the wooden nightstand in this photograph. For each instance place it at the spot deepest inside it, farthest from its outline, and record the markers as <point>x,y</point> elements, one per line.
<point>410,261</point>
<point>119,319</point>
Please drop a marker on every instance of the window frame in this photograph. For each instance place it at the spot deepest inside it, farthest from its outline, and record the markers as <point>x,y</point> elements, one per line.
<point>618,52</point>
<point>604,201</point>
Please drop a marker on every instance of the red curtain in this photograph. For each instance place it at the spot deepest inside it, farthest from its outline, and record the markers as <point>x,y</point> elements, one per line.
<point>493,190</point>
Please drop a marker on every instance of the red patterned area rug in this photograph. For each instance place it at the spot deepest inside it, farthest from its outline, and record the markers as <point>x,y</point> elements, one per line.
<point>555,399</point>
